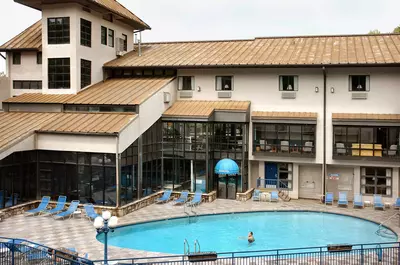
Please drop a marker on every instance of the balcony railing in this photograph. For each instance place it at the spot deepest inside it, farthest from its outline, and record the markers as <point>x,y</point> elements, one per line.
<point>285,150</point>
<point>281,184</point>
<point>360,151</point>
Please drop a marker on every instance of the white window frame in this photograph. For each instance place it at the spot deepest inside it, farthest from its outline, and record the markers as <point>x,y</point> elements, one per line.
<point>295,85</point>
<point>367,83</point>
<point>218,82</point>
<point>180,83</point>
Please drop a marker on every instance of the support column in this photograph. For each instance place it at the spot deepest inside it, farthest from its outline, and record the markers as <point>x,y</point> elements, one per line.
<point>140,166</point>
<point>118,173</point>
<point>207,158</point>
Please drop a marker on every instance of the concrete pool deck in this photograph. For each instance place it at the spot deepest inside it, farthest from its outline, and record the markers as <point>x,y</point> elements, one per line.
<point>79,232</point>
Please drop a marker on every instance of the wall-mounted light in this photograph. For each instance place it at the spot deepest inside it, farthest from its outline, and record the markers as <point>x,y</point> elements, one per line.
<point>316,89</point>
<point>332,90</point>
<point>198,88</point>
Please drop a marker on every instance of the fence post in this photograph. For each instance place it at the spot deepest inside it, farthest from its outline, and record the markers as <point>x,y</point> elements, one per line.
<point>362,255</point>
<point>320,255</point>
<point>277,257</point>
<point>12,252</point>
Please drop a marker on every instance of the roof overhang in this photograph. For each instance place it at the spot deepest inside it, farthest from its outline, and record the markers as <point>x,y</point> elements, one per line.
<point>365,119</point>
<point>216,116</point>
<point>37,4</point>
<point>284,117</point>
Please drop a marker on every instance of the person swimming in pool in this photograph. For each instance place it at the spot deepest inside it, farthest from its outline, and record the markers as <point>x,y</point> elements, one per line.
<point>250,238</point>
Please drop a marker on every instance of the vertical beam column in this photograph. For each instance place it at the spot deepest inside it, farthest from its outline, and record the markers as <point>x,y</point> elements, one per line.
<point>207,157</point>
<point>140,166</point>
<point>118,177</point>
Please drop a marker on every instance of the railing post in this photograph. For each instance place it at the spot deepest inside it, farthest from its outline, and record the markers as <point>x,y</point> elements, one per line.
<point>362,255</point>
<point>320,255</point>
<point>277,257</point>
<point>12,252</point>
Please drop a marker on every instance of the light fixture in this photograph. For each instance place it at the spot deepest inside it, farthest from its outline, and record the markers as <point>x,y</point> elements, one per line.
<point>359,87</point>
<point>105,224</point>
<point>332,90</point>
<point>289,87</point>
<point>316,89</point>
<point>106,215</point>
<point>226,87</point>
<point>198,88</point>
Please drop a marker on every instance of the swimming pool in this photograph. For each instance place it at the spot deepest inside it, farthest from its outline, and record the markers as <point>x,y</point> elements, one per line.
<point>228,232</point>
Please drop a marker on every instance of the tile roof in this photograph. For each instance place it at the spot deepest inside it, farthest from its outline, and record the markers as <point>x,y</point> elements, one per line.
<point>29,39</point>
<point>119,91</point>
<point>365,116</point>
<point>275,115</point>
<point>203,108</point>
<point>16,126</point>
<point>271,51</point>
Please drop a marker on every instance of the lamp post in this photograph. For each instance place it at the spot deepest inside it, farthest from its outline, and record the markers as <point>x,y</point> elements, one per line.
<point>104,224</point>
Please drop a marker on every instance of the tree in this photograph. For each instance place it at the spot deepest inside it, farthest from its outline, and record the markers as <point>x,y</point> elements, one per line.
<point>374,32</point>
<point>397,30</point>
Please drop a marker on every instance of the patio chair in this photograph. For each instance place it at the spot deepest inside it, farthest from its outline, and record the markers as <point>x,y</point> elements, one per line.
<point>343,199</point>
<point>397,203</point>
<point>69,212</point>
<point>329,198</point>
<point>42,206</point>
<point>340,149</point>
<point>90,212</point>
<point>274,196</point>
<point>59,206</point>
<point>256,195</point>
<point>392,150</point>
<point>182,199</point>
<point>358,202</point>
<point>378,204</point>
<point>196,199</point>
<point>165,198</point>
<point>284,146</point>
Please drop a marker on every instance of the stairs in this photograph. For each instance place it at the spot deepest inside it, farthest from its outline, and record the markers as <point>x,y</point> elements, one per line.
<point>284,195</point>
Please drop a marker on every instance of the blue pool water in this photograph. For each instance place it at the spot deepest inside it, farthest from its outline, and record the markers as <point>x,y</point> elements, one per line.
<point>228,232</point>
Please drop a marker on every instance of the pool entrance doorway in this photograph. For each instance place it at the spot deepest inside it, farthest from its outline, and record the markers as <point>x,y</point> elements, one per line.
<point>227,186</point>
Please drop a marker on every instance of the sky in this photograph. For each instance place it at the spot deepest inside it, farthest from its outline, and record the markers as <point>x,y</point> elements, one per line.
<point>173,20</point>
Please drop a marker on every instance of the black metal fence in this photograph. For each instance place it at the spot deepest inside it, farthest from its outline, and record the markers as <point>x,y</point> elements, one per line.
<point>366,254</point>
<point>20,252</point>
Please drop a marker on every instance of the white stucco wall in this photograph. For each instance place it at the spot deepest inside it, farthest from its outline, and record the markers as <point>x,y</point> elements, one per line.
<point>25,144</point>
<point>28,70</point>
<point>4,89</point>
<point>98,53</point>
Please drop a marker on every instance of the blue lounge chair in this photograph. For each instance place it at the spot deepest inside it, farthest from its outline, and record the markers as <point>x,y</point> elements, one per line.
<point>256,195</point>
<point>165,198</point>
<point>343,199</point>
<point>378,204</point>
<point>274,196</point>
<point>397,203</point>
<point>59,206</point>
<point>358,202</point>
<point>69,212</point>
<point>196,199</point>
<point>42,206</point>
<point>182,199</point>
<point>329,198</point>
<point>90,212</point>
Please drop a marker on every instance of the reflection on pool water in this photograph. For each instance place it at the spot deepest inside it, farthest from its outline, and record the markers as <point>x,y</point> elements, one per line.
<point>228,232</point>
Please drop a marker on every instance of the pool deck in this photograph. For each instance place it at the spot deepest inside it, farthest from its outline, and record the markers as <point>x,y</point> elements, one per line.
<point>79,232</point>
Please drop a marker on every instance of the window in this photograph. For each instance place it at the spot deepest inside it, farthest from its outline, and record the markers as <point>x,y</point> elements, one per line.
<point>59,73</point>
<point>359,83</point>
<point>58,30</point>
<point>125,38</point>
<point>293,139</point>
<point>39,58</point>
<point>224,83</point>
<point>27,84</point>
<point>288,82</point>
<point>110,37</point>
<point>376,181</point>
<point>367,141</point>
<point>103,35</point>
<point>86,33</point>
<point>186,83</point>
<point>16,58</point>
<point>86,73</point>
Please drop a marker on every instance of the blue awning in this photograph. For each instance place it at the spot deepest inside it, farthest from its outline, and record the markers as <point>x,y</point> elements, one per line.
<point>226,166</point>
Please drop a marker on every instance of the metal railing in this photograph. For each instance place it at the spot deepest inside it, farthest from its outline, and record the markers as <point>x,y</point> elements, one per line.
<point>273,184</point>
<point>15,251</point>
<point>363,254</point>
<point>376,152</point>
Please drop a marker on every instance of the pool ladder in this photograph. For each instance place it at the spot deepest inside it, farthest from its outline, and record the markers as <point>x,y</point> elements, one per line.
<point>186,247</point>
<point>190,213</point>
<point>384,232</point>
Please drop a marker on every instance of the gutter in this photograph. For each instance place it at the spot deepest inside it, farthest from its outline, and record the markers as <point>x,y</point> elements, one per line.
<point>324,136</point>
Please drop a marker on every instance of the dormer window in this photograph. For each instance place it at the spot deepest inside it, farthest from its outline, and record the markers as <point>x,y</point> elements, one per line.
<point>58,30</point>
<point>288,83</point>
<point>359,83</point>
<point>224,83</point>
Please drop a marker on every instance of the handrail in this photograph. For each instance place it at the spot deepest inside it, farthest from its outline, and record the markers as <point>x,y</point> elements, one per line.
<point>196,242</point>
<point>186,243</point>
<point>384,222</point>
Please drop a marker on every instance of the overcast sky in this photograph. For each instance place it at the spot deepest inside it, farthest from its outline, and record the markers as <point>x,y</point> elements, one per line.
<point>235,19</point>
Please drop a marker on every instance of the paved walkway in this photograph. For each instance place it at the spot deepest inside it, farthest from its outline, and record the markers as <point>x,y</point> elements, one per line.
<point>79,233</point>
